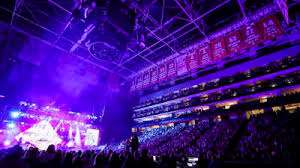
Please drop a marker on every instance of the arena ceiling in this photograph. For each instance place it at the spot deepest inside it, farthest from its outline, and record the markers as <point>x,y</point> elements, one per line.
<point>122,36</point>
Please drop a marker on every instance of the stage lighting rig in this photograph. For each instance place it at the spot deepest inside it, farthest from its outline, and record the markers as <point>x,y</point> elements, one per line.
<point>140,32</point>
<point>101,45</point>
<point>105,51</point>
<point>91,12</point>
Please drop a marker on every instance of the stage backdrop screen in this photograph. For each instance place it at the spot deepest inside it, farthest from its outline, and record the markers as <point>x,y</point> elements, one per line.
<point>92,136</point>
<point>61,133</point>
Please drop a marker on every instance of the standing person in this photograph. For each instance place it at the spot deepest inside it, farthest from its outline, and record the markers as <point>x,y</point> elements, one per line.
<point>145,161</point>
<point>67,163</point>
<point>134,143</point>
<point>30,159</point>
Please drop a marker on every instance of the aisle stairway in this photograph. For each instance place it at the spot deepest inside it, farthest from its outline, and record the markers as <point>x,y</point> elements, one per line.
<point>233,144</point>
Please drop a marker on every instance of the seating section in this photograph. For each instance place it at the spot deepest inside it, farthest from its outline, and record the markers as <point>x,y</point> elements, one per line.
<point>277,82</point>
<point>272,67</point>
<point>240,108</point>
<point>269,136</point>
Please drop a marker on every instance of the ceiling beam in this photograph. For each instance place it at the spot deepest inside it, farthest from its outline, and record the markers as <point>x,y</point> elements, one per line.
<point>155,22</point>
<point>118,28</point>
<point>53,45</point>
<point>62,8</point>
<point>151,62</point>
<point>65,28</point>
<point>10,25</point>
<point>243,10</point>
<point>115,26</point>
<point>17,3</point>
<point>191,18</point>
<point>62,49</point>
<point>179,29</point>
<point>181,35</point>
<point>162,12</point>
<point>168,22</point>
<point>158,38</point>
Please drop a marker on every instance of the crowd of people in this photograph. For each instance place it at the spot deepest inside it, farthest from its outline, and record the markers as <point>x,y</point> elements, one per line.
<point>206,140</point>
<point>269,136</point>
<point>16,157</point>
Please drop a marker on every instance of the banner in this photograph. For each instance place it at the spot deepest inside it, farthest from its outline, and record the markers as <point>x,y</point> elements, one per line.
<point>181,65</point>
<point>171,69</point>
<point>192,60</point>
<point>162,72</point>
<point>218,48</point>
<point>266,29</point>
<point>204,54</point>
<point>153,76</point>
<point>251,35</point>
<point>139,81</point>
<point>132,84</point>
<point>234,42</point>
<point>146,79</point>
<point>271,27</point>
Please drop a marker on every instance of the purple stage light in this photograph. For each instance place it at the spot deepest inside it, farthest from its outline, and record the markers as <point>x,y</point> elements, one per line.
<point>77,137</point>
<point>23,103</point>
<point>11,125</point>
<point>70,144</point>
<point>6,143</point>
<point>15,114</point>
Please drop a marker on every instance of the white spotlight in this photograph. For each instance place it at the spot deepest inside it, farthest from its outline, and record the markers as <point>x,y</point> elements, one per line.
<point>15,114</point>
